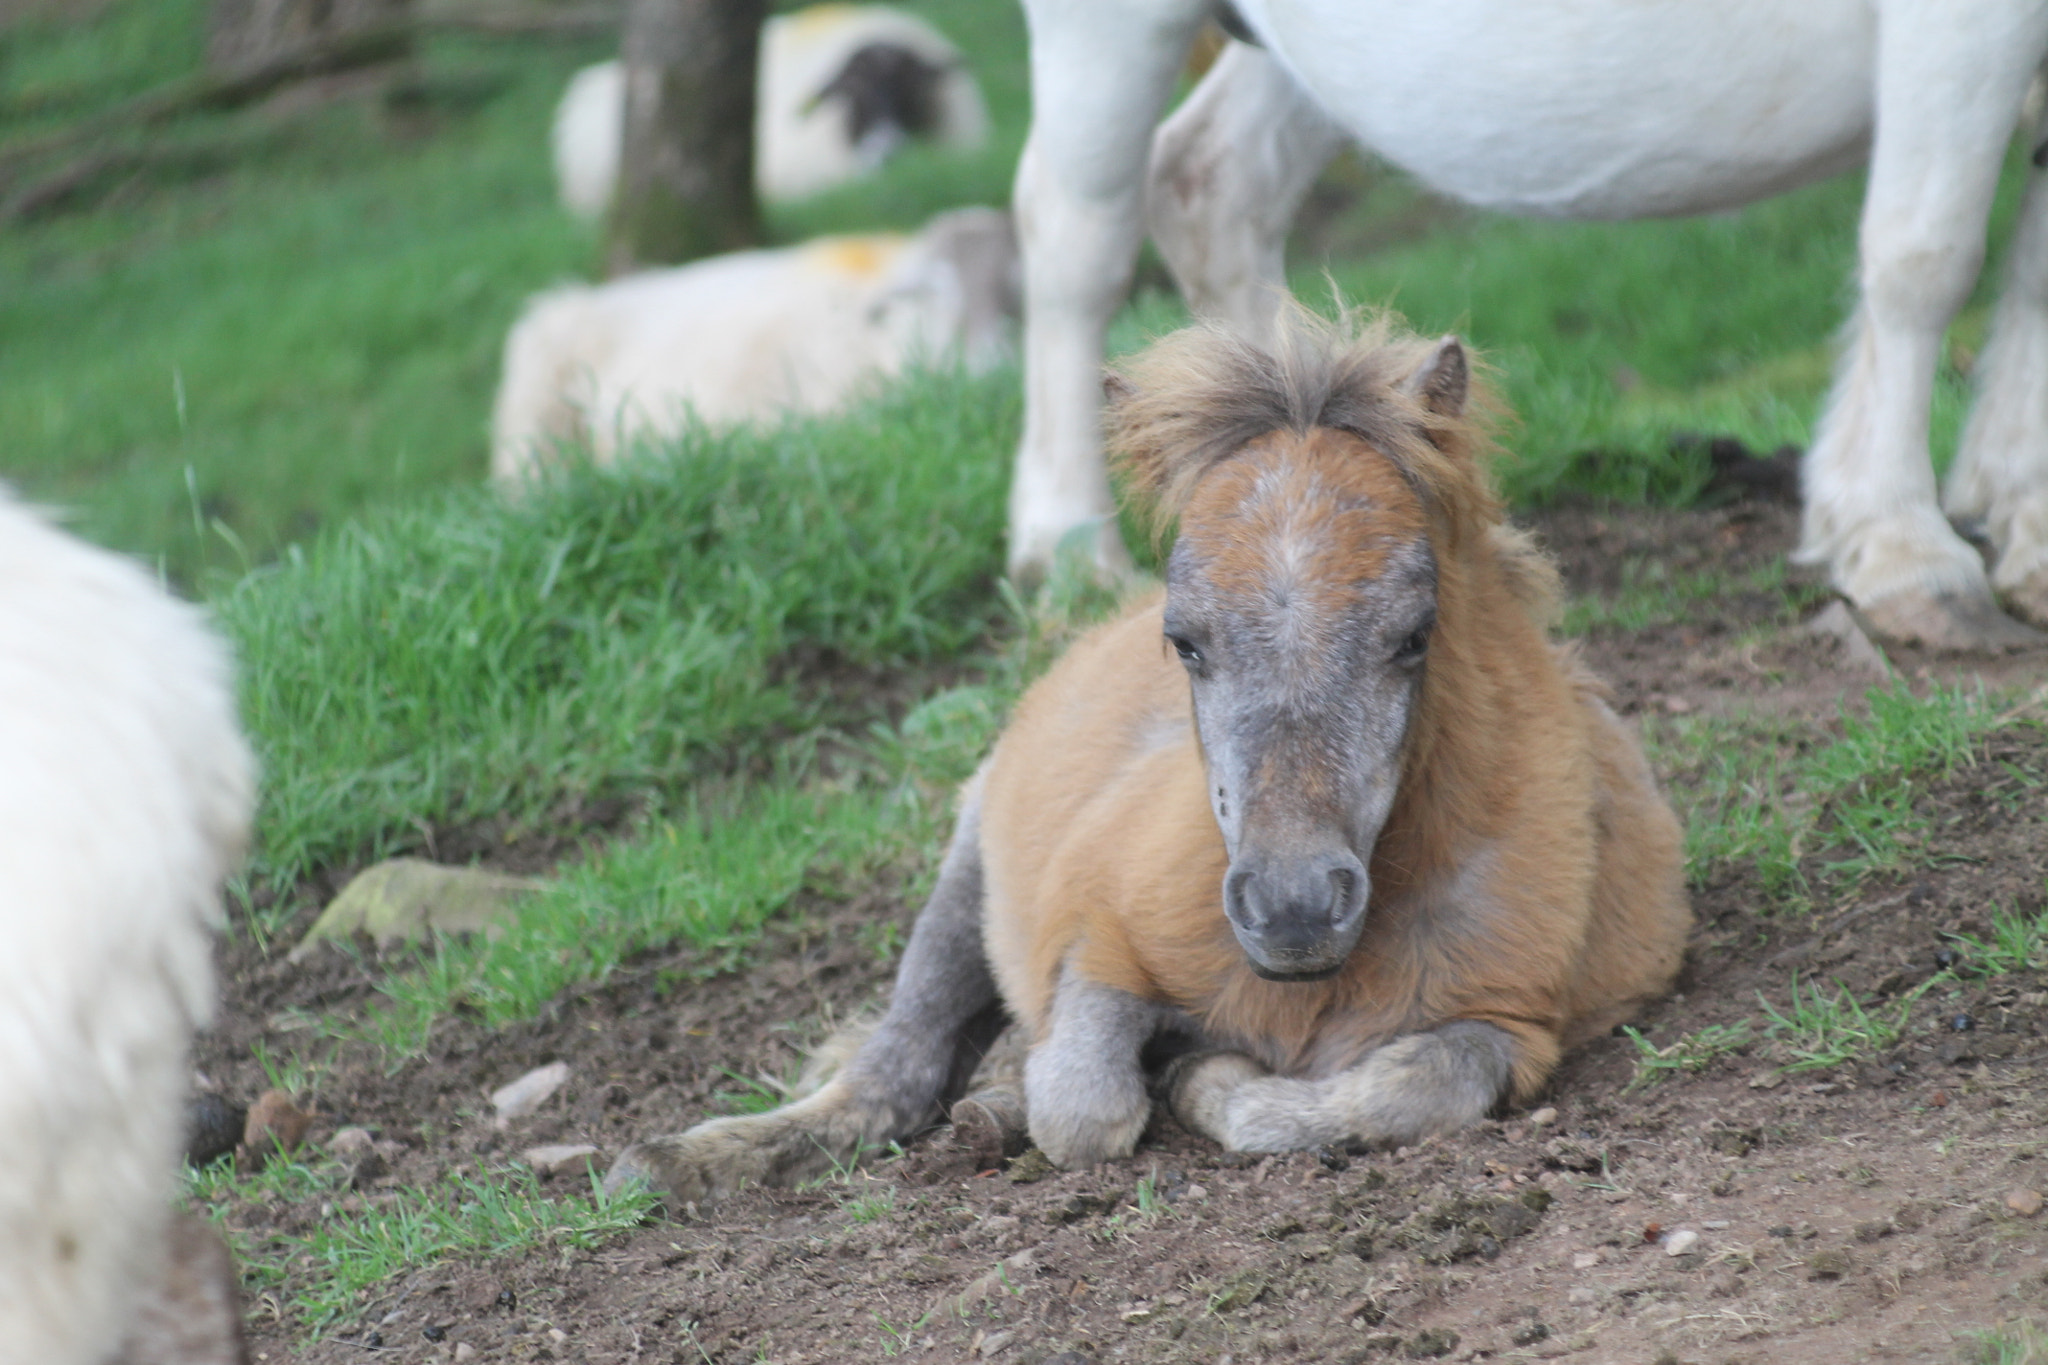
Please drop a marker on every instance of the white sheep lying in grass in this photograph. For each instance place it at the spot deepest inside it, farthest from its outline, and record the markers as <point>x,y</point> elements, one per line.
<point>748,336</point>
<point>125,794</point>
<point>841,88</point>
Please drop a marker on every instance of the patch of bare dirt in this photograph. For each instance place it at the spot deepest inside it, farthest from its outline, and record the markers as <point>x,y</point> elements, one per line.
<point>1879,1210</point>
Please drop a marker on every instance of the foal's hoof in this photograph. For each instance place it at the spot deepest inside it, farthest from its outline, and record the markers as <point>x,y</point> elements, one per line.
<point>1953,622</point>
<point>989,1125</point>
<point>666,1166</point>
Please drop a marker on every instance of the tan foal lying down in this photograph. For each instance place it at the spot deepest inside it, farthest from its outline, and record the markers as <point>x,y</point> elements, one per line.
<point>1327,843</point>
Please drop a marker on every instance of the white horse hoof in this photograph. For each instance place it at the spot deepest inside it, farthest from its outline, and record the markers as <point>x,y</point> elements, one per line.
<point>1954,622</point>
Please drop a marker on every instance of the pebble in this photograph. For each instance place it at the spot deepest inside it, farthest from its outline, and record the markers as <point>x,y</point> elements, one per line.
<point>1585,1260</point>
<point>2025,1203</point>
<point>1829,1263</point>
<point>349,1142</point>
<point>557,1157</point>
<point>994,1342</point>
<point>1680,1242</point>
<point>464,1351</point>
<point>557,1335</point>
<point>1543,1117</point>
<point>529,1092</point>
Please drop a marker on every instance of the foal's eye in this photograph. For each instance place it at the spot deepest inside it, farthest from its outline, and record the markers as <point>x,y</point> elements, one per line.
<point>1414,647</point>
<point>1186,649</point>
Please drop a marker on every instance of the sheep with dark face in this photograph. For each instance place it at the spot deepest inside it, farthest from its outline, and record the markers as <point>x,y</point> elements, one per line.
<point>751,335</point>
<point>842,87</point>
<point>125,798</point>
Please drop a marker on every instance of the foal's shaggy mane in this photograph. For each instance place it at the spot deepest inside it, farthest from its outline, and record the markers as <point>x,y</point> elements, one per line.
<point>1196,397</point>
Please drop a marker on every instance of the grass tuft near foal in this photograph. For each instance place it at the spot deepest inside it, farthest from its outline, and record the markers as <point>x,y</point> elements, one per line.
<point>1326,843</point>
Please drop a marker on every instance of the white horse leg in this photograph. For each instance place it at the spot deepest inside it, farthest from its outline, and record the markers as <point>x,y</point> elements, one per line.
<point>1101,71</point>
<point>1946,96</point>
<point>1424,1083</point>
<point>1084,1088</point>
<point>1229,169</point>
<point>2000,475</point>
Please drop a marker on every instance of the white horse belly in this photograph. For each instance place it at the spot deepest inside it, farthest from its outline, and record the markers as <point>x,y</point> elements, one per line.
<point>1590,108</point>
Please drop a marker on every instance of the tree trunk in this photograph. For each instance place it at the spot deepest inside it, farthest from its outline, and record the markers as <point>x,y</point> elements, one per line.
<point>686,168</point>
<point>244,35</point>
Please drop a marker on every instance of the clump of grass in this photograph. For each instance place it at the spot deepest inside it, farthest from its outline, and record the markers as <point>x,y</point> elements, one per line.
<point>1691,1052</point>
<point>323,1273</point>
<point>1819,1030</point>
<point>2017,1343</point>
<point>612,634</point>
<point>1752,794</point>
<point>1650,594</point>
<point>2017,943</point>
<point>875,1203</point>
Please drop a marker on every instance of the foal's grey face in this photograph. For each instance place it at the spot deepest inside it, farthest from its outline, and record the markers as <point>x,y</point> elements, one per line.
<point>1301,595</point>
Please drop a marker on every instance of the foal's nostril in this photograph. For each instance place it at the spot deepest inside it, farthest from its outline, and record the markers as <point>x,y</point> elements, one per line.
<point>1236,896</point>
<point>1343,886</point>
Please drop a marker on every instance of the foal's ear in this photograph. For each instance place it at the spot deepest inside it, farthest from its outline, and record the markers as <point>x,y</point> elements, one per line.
<point>1442,379</point>
<point>1115,388</point>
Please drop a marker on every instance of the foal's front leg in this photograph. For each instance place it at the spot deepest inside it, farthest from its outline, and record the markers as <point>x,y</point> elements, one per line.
<point>941,1020</point>
<point>1084,1086</point>
<point>1417,1085</point>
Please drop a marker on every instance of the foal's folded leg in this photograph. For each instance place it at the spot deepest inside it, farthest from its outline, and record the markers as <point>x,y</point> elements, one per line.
<point>943,1016</point>
<point>1423,1083</point>
<point>1084,1086</point>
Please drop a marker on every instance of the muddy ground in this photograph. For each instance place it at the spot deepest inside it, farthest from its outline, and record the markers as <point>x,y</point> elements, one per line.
<point>1877,1211</point>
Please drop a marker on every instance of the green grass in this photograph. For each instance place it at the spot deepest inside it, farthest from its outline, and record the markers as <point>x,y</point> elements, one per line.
<point>1652,594</point>
<point>1817,1030</point>
<point>618,635</point>
<point>1763,794</point>
<point>2021,1342</point>
<point>2017,943</point>
<point>1689,1053</point>
<point>352,1245</point>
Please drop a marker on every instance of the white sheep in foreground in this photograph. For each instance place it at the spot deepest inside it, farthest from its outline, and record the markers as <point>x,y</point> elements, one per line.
<point>841,87</point>
<point>125,798</point>
<point>751,335</point>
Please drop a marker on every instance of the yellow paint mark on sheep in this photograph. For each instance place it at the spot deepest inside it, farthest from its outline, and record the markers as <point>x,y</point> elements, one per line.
<point>860,257</point>
<point>814,17</point>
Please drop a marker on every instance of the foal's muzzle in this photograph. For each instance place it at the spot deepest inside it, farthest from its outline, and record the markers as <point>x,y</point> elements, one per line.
<point>1297,919</point>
